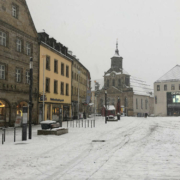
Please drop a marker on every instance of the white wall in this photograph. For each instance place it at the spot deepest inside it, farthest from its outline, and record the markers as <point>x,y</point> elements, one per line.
<point>143,109</point>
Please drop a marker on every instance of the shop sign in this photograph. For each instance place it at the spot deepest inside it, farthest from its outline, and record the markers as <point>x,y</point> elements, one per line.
<point>174,93</point>
<point>53,99</point>
<point>173,105</point>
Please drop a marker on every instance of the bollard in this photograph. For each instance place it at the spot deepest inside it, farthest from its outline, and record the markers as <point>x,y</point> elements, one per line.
<point>4,134</point>
<point>14,134</point>
<point>76,123</point>
<point>82,123</point>
<point>2,138</point>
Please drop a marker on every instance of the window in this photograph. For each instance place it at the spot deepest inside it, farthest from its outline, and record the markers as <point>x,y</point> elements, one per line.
<point>47,85</point>
<point>125,102</point>
<point>18,75</point>
<point>141,104</point>
<point>47,62</point>
<point>27,77</point>
<point>55,87</point>
<point>2,71</point>
<point>113,82</point>
<point>28,49</point>
<point>155,99</point>
<point>62,88</point>
<point>75,76</point>
<point>2,38</point>
<point>18,45</point>
<point>55,66</point>
<point>127,81</point>
<point>62,69</point>
<point>146,101</point>
<point>136,103</point>
<point>67,71</point>
<point>119,82</point>
<point>108,83</point>
<point>14,11</point>
<point>67,89</point>
<point>172,87</point>
<point>179,86</point>
<point>158,87</point>
<point>165,87</point>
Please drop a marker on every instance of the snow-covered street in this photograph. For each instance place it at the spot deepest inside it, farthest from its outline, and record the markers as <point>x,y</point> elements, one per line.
<point>134,148</point>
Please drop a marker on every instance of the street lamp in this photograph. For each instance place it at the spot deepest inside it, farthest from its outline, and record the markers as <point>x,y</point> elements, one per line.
<point>78,92</point>
<point>30,96</point>
<point>105,105</point>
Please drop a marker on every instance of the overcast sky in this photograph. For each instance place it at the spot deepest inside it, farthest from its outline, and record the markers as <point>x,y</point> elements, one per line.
<point>148,32</point>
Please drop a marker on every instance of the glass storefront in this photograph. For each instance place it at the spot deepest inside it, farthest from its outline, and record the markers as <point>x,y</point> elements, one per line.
<point>173,103</point>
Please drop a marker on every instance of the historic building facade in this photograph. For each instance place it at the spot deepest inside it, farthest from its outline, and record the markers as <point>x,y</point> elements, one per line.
<point>57,74</point>
<point>118,84</point>
<point>18,42</point>
<point>81,87</point>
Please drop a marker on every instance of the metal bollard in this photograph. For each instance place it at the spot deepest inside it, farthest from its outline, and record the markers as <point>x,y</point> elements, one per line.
<point>2,138</point>
<point>4,134</point>
<point>14,134</point>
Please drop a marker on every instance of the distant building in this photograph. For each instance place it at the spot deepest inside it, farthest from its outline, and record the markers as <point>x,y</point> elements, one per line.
<point>81,81</point>
<point>135,95</point>
<point>57,79</point>
<point>167,93</point>
<point>18,42</point>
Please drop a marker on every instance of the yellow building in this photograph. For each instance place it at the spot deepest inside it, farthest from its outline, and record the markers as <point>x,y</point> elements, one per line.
<point>56,69</point>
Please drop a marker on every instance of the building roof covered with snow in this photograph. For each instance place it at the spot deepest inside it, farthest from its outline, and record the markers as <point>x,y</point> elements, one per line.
<point>171,75</point>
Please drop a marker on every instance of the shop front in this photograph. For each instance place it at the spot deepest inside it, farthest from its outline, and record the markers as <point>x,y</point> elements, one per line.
<point>4,112</point>
<point>173,103</point>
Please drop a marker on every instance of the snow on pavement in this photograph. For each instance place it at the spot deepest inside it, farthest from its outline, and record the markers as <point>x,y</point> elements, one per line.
<point>134,148</point>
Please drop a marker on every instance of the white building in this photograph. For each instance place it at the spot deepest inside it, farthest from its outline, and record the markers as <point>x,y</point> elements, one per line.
<point>167,93</point>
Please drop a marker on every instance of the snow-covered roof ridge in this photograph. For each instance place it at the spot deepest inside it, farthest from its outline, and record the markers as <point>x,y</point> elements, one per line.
<point>172,75</point>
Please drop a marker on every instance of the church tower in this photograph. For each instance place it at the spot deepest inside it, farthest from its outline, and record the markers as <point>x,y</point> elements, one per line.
<point>116,60</point>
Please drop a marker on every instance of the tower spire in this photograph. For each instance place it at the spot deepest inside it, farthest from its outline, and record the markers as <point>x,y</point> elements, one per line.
<point>117,51</point>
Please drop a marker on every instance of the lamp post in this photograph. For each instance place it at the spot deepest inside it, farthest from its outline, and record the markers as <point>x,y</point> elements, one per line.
<point>30,97</point>
<point>78,92</point>
<point>105,105</point>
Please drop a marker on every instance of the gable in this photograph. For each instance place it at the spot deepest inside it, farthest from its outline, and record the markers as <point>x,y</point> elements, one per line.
<point>23,20</point>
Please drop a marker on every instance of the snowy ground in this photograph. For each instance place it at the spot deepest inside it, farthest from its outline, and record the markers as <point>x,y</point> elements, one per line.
<point>134,148</point>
